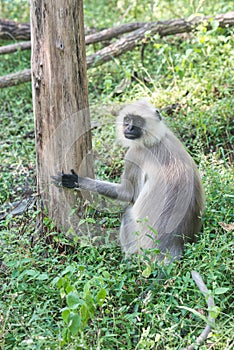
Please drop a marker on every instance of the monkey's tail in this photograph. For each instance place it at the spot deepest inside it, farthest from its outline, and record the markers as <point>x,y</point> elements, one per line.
<point>210,303</point>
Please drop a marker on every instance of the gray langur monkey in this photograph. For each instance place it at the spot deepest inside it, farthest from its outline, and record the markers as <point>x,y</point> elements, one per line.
<point>163,189</point>
<point>160,182</point>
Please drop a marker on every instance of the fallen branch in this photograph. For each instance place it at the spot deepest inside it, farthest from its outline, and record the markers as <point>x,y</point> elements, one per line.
<point>26,45</point>
<point>105,34</point>
<point>110,33</point>
<point>128,42</point>
<point>13,30</point>
<point>163,28</point>
<point>17,208</point>
<point>23,76</point>
<point>21,31</point>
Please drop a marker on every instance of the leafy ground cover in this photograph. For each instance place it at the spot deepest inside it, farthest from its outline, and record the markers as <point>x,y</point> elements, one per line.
<point>74,295</point>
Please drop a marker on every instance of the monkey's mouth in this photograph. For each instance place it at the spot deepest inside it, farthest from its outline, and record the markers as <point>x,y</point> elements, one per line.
<point>130,136</point>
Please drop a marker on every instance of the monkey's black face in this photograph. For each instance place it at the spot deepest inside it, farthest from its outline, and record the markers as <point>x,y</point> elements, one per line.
<point>133,126</point>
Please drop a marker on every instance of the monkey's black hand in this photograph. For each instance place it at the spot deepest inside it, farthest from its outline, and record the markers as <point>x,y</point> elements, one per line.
<point>70,180</point>
<point>66,180</point>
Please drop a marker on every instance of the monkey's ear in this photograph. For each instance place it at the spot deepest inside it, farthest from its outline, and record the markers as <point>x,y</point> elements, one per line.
<point>158,114</point>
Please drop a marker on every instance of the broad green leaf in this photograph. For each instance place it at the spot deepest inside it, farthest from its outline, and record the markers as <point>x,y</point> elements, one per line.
<point>101,295</point>
<point>147,271</point>
<point>90,303</point>
<point>106,274</point>
<point>86,288</point>
<point>214,312</point>
<point>65,314</point>
<point>84,313</point>
<point>69,269</point>
<point>73,299</point>
<point>220,290</point>
<point>42,277</point>
<point>74,323</point>
<point>56,281</point>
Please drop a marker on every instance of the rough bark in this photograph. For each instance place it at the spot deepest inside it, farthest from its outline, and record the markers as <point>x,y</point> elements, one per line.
<point>60,101</point>
<point>128,42</point>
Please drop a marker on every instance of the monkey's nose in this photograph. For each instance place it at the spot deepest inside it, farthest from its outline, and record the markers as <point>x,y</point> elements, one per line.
<point>130,127</point>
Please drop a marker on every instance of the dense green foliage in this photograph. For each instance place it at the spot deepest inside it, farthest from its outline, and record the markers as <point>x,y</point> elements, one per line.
<point>74,295</point>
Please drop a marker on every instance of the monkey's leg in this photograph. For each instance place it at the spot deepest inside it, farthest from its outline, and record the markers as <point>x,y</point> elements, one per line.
<point>129,236</point>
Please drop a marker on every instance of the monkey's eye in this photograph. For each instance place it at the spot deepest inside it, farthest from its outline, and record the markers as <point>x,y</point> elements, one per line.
<point>137,122</point>
<point>133,120</point>
<point>126,121</point>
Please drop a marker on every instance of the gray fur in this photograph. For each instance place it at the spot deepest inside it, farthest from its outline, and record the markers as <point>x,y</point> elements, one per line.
<point>162,185</point>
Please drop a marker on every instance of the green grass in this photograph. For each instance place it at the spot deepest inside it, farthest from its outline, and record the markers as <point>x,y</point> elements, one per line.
<point>74,295</point>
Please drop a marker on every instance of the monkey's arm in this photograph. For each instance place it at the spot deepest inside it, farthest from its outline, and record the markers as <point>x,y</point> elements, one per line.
<point>112,190</point>
<point>122,191</point>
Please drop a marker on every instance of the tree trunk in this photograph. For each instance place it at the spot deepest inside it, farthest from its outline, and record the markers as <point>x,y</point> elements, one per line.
<point>60,100</point>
